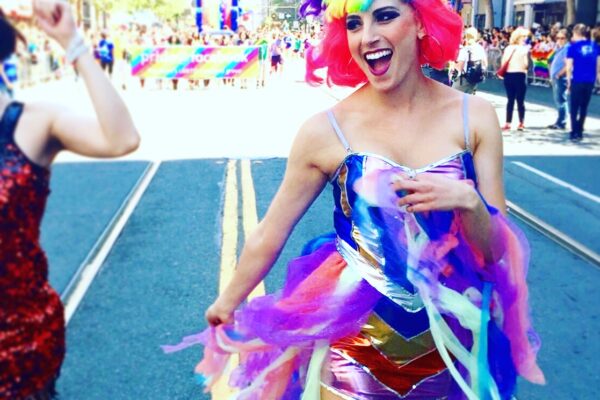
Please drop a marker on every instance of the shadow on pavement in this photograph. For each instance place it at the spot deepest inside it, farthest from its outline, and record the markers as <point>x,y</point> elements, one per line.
<point>542,135</point>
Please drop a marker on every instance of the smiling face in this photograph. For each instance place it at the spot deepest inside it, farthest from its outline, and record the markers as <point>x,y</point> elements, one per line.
<point>383,41</point>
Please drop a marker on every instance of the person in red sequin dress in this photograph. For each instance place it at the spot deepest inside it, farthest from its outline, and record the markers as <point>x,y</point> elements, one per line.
<point>32,326</point>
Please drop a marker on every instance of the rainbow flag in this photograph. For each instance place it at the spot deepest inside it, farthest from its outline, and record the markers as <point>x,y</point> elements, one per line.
<point>541,62</point>
<point>191,62</point>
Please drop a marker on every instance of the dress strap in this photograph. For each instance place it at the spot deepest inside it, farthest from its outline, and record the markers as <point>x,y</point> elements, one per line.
<point>338,131</point>
<point>9,120</point>
<point>467,133</point>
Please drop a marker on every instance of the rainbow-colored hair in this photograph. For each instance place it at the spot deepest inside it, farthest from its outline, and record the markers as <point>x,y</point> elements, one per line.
<point>442,24</point>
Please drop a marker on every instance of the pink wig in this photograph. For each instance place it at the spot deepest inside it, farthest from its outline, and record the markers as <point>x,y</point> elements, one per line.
<point>442,25</point>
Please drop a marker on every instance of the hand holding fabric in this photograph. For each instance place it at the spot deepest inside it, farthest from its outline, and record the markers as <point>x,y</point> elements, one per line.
<point>218,313</point>
<point>429,192</point>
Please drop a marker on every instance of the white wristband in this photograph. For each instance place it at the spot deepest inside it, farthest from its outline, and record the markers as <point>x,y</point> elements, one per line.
<point>76,48</point>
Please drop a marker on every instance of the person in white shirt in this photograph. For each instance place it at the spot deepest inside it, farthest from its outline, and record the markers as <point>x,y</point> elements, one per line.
<point>516,55</point>
<point>471,64</point>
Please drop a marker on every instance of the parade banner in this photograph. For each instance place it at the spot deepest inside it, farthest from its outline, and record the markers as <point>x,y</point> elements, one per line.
<point>191,62</point>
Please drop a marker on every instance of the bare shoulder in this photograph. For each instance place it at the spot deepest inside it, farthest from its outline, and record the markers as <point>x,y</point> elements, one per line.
<point>315,128</point>
<point>42,113</point>
<point>484,121</point>
<point>33,134</point>
<point>317,143</point>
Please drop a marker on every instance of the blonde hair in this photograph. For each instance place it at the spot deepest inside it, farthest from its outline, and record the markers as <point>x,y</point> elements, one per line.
<point>517,34</point>
<point>471,35</point>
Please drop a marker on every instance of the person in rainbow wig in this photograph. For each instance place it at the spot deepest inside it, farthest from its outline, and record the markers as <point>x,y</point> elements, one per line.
<point>420,293</point>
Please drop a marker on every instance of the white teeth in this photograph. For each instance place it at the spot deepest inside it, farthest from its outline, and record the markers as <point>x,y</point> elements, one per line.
<point>378,54</point>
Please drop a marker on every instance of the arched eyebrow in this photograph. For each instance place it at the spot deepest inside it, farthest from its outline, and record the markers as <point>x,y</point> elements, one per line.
<point>380,10</point>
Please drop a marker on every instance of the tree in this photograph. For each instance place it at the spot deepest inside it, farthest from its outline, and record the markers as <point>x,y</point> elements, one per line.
<point>103,8</point>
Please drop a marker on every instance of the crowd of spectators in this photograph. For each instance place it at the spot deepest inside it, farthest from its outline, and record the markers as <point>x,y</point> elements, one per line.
<point>39,60</point>
<point>542,43</point>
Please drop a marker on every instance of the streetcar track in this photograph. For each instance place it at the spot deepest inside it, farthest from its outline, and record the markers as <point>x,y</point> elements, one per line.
<point>83,277</point>
<point>554,234</point>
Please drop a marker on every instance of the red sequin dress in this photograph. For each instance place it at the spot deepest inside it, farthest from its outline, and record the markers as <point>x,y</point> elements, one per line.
<point>32,341</point>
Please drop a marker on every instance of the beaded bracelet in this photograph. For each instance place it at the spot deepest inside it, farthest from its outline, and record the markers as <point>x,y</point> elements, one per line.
<point>76,48</point>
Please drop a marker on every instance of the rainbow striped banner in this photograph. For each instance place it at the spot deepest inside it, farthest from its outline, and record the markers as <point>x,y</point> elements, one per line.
<point>191,62</point>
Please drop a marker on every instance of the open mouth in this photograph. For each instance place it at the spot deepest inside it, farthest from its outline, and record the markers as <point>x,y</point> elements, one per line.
<point>379,61</point>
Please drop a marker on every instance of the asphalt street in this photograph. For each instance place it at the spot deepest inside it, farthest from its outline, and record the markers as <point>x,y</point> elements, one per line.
<point>163,270</point>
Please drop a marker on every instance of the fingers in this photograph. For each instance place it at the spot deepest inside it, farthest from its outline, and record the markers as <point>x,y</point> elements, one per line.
<point>43,9</point>
<point>469,182</point>
<point>415,198</point>
<point>44,16</point>
<point>404,187</point>
<point>44,24</point>
<point>57,13</point>
<point>400,182</point>
<point>218,320</point>
<point>420,207</point>
<point>215,318</point>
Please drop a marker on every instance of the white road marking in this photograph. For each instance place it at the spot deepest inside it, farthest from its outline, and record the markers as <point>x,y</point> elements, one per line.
<point>89,269</point>
<point>559,182</point>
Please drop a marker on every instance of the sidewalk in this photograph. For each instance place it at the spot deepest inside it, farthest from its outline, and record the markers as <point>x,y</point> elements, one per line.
<point>204,123</point>
<point>540,95</point>
<point>539,140</point>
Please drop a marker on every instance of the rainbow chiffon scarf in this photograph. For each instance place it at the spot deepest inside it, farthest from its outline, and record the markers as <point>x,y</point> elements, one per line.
<point>478,313</point>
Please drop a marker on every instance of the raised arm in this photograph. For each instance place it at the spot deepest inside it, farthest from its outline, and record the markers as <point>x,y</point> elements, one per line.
<point>304,179</point>
<point>112,132</point>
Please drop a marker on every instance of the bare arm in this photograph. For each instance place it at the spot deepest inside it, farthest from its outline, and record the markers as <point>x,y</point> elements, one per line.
<point>569,73</point>
<point>526,56</point>
<point>488,159</point>
<point>112,132</point>
<point>302,183</point>
<point>506,54</point>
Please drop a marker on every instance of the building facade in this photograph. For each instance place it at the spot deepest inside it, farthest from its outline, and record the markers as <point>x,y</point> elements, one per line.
<point>527,12</point>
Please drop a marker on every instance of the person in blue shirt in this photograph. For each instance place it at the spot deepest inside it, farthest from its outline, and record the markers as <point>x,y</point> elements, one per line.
<point>583,66</point>
<point>558,78</point>
<point>8,75</point>
<point>106,53</point>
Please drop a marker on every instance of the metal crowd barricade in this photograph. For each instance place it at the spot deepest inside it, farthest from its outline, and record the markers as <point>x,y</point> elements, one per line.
<point>494,56</point>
